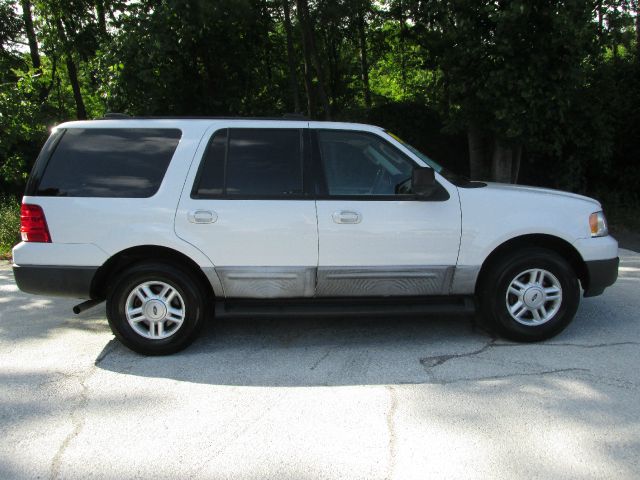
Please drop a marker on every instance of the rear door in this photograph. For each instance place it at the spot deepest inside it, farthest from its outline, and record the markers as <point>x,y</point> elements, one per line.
<point>372,240</point>
<point>247,207</point>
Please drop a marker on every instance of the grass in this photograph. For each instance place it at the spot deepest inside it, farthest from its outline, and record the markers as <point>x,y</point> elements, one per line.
<point>9,225</point>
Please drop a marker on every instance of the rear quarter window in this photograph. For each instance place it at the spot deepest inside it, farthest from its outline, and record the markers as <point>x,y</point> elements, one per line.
<point>109,162</point>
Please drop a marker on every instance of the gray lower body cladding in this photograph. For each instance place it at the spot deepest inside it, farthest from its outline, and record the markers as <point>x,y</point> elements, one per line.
<point>267,282</point>
<point>383,281</point>
<point>602,274</point>
<point>55,280</point>
<point>277,282</point>
<point>306,282</point>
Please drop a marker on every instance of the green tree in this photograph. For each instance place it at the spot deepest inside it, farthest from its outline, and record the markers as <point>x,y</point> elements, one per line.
<point>511,71</point>
<point>535,87</point>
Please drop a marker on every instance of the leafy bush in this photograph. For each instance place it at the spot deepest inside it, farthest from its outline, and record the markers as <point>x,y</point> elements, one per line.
<point>9,224</point>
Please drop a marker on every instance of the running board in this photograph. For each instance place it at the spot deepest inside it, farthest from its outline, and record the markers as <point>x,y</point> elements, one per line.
<point>342,307</point>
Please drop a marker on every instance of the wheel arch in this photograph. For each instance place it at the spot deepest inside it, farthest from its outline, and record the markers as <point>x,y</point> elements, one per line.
<point>550,242</point>
<point>123,259</point>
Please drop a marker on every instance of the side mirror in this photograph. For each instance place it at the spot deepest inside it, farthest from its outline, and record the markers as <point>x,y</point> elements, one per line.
<point>423,181</point>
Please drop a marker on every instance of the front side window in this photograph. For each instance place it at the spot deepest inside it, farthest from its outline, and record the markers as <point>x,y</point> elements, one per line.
<point>360,163</point>
<point>245,162</point>
<point>109,162</point>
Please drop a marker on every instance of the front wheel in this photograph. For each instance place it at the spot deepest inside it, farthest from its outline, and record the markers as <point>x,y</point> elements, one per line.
<point>155,308</point>
<point>530,295</point>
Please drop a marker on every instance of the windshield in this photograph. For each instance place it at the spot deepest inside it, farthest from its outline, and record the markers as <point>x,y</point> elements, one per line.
<point>454,178</point>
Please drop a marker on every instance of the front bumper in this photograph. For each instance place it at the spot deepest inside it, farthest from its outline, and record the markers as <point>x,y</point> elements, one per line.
<point>55,280</point>
<point>601,273</point>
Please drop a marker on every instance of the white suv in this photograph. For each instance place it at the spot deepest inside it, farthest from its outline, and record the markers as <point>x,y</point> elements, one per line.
<point>170,220</point>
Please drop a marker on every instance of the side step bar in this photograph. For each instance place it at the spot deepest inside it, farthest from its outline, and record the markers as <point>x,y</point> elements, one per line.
<point>342,307</point>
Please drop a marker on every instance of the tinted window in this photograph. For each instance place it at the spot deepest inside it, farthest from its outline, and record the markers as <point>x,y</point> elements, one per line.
<point>109,162</point>
<point>264,162</point>
<point>358,163</point>
<point>41,162</point>
<point>210,180</point>
<point>254,162</point>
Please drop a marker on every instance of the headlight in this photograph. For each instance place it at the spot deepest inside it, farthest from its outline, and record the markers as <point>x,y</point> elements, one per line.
<point>598,225</point>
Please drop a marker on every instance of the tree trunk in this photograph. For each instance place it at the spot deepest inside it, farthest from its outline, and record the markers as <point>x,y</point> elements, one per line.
<point>311,53</point>
<point>81,112</point>
<point>72,71</point>
<point>291,61</point>
<point>637,10</point>
<point>517,157</point>
<point>31,33</point>
<point>333,61</point>
<point>364,61</point>
<point>600,21</point>
<point>266,18</point>
<point>477,153</point>
<point>102,21</point>
<point>502,163</point>
<point>403,67</point>
<point>308,86</point>
<point>322,91</point>
<point>308,76</point>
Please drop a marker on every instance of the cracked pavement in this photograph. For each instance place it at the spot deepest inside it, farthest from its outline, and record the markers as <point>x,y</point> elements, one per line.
<point>321,398</point>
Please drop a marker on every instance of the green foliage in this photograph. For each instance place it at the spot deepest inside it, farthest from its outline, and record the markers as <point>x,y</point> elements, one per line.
<point>9,224</point>
<point>514,67</point>
<point>24,123</point>
<point>557,78</point>
<point>423,128</point>
<point>10,26</point>
<point>200,58</point>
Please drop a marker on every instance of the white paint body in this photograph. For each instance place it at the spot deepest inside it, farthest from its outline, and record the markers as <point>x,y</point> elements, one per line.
<point>280,235</point>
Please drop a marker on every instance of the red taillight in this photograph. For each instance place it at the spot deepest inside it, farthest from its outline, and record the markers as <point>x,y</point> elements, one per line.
<point>33,225</point>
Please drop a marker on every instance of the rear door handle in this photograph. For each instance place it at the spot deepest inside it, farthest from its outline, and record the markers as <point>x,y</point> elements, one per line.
<point>347,216</point>
<point>202,216</point>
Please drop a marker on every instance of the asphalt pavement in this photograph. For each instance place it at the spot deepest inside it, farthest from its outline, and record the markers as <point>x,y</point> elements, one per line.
<point>321,398</point>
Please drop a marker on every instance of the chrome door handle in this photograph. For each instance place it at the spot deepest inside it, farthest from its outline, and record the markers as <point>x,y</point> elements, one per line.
<point>202,216</point>
<point>347,216</point>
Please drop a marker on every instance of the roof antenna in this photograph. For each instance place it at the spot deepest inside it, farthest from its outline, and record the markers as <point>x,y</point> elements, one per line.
<point>294,116</point>
<point>115,116</point>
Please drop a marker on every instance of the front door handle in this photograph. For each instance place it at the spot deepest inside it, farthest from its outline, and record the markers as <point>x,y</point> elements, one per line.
<point>202,216</point>
<point>347,216</point>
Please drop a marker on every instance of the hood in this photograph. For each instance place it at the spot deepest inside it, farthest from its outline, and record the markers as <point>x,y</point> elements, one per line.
<point>506,187</point>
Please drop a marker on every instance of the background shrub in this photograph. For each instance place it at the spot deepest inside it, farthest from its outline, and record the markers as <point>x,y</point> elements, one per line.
<point>9,224</point>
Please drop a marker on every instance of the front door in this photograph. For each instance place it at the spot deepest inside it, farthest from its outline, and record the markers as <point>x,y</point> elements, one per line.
<point>372,240</point>
<point>246,208</point>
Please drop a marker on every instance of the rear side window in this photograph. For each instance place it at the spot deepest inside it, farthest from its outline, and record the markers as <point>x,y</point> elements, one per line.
<point>245,162</point>
<point>109,162</point>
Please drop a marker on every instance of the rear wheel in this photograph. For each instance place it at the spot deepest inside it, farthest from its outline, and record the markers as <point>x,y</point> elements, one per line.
<point>530,295</point>
<point>156,309</point>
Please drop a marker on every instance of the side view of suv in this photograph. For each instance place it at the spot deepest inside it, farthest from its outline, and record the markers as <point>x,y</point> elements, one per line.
<point>173,220</point>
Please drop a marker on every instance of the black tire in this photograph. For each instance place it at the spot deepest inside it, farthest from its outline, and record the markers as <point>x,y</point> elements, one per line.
<point>492,295</point>
<point>192,298</point>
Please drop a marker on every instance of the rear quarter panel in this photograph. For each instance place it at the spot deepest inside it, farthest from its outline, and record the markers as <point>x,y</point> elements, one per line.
<point>110,225</point>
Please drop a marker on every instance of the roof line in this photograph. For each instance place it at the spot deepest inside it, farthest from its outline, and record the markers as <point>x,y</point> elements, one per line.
<point>123,116</point>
